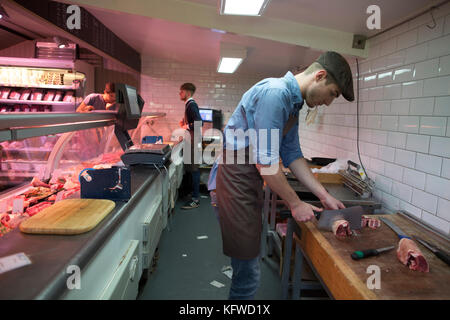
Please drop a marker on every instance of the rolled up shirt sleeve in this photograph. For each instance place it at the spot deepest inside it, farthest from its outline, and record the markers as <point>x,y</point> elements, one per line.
<point>290,147</point>
<point>270,117</point>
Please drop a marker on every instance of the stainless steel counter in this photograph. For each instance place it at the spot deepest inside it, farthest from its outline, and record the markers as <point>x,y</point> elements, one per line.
<point>46,277</point>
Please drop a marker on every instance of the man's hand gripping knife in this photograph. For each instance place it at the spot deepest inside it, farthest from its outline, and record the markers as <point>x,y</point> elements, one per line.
<point>301,211</point>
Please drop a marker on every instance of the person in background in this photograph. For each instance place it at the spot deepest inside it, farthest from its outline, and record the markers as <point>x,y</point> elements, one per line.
<point>272,105</point>
<point>99,101</point>
<point>191,115</point>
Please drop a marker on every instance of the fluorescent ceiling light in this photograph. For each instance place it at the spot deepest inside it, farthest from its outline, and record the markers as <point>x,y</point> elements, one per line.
<point>228,65</point>
<point>243,7</point>
<point>231,56</point>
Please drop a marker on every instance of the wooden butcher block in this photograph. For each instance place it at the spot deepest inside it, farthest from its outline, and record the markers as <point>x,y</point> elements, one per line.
<point>68,217</point>
<point>347,278</point>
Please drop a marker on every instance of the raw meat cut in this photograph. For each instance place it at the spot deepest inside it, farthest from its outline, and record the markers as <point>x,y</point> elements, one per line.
<point>49,95</point>
<point>372,223</point>
<point>40,192</point>
<point>13,220</point>
<point>25,94</point>
<point>37,94</point>
<point>38,208</point>
<point>341,229</point>
<point>14,95</point>
<point>410,255</point>
<point>68,96</point>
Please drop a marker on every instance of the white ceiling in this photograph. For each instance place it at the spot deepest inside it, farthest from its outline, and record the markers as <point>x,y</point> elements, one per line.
<point>194,44</point>
<point>161,29</point>
<point>342,15</point>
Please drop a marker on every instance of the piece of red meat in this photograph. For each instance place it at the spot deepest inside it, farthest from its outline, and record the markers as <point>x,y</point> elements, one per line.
<point>5,219</point>
<point>341,229</point>
<point>12,221</point>
<point>372,223</point>
<point>410,255</point>
<point>38,208</point>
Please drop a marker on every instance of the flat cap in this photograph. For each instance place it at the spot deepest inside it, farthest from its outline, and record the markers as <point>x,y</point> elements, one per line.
<point>337,66</point>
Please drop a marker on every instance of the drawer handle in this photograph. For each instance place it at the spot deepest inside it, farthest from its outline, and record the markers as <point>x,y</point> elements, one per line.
<point>133,266</point>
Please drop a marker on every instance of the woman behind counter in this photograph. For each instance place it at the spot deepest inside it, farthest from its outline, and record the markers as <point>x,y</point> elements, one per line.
<point>98,101</point>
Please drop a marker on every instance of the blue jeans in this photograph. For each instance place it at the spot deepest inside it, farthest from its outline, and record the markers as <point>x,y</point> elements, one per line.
<point>196,185</point>
<point>245,280</point>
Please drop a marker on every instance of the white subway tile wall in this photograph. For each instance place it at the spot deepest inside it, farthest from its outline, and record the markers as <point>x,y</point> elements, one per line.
<point>161,81</point>
<point>404,120</point>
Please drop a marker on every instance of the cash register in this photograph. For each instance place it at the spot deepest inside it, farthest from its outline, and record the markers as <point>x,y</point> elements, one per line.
<point>129,112</point>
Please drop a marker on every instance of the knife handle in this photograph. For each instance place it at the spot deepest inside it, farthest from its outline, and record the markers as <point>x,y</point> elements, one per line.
<point>361,254</point>
<point>317,214</point>
<point>443,256</point>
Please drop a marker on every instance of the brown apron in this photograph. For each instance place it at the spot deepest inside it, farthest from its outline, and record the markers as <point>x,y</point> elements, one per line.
<point>239,189</point>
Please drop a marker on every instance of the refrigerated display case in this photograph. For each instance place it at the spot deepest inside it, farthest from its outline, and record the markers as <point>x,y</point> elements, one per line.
<point>42,85</point>
<point>45,153</point>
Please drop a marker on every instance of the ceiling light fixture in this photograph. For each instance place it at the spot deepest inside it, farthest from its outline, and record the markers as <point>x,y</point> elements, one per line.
<point>60,42</point>
<point>243,8</point>
<point>228,65</point>
<point>231,57</point>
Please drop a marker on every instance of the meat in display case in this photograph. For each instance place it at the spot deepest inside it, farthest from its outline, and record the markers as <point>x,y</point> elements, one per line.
<point>43,157</point>
<point>41,85</point>
<point>38,171</point>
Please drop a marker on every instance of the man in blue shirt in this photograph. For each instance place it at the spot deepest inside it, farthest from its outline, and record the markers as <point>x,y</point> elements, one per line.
<point>263,129</point>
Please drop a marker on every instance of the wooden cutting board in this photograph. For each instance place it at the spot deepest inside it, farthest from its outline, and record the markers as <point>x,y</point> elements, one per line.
<point>347,278</point>
<point>68,217</point>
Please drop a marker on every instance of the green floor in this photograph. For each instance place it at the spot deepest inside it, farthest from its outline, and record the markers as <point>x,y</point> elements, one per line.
<point>186,266</point>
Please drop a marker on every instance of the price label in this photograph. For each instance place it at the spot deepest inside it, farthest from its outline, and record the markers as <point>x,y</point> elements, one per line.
<point>13,262</point>
<point>18,205</point>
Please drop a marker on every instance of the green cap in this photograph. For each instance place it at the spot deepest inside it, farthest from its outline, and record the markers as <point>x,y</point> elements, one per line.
<point>337,66</point>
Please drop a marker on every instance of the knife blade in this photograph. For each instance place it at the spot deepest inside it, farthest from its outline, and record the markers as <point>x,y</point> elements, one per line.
<point>400,233</point>
<point>361,254</point>
<point>437,252</point>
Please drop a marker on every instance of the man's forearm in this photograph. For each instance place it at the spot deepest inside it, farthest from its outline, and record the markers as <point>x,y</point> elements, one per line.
<point>303,173</point>
<point>279,184</point>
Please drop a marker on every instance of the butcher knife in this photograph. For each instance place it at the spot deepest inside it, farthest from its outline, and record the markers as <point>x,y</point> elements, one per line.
<point>361,254</point>
<point>437,252</point>
<point>396,229</point>
<point>326,218</point>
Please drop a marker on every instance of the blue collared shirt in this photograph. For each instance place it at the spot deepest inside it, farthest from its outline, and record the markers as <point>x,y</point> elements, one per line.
<point>266,108</point>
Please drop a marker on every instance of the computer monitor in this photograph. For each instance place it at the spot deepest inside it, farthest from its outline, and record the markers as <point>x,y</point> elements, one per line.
<point>133,104</point>
<point>130,105</point>
<point>128,97</point>
<point>206,115</point>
